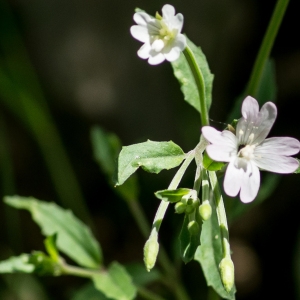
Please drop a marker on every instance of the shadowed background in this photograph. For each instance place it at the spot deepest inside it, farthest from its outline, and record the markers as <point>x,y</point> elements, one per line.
<point>84,67</point>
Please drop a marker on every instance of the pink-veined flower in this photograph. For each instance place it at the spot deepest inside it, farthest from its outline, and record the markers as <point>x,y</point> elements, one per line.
<point>161,35</point>
<point>248,151</point>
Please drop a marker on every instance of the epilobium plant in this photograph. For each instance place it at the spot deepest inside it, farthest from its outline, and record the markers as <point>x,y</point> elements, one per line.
<point>204,236</point>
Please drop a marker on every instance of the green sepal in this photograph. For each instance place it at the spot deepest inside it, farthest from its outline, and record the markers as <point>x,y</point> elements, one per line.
<point>172,196</point>
<point>189,239</point>
<point>50,245</point>
<point>210,164</point>
<point>151,156</point>
<point>44,265</point>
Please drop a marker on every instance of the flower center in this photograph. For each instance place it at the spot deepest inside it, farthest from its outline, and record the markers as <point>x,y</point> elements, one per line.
<point>246,151</point>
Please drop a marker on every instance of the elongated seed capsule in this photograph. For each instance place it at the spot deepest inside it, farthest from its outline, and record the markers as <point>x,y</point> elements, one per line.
<point>151,249</point>
<point>205,210</point>
<point>227,273</point>
<point>193,227</point>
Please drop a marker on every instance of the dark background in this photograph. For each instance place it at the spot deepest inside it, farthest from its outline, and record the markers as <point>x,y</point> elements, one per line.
<point>86,63</point>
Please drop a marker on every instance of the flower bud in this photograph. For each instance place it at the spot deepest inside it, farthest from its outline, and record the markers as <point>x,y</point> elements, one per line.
<point>189,209</point>
<point>150,252</point>
<point>193,228</point>
<point>205,210</point>
<point>180,207</point>
<point>227,273</point>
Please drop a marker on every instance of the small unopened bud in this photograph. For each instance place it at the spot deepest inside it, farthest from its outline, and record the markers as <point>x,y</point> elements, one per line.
<point>227,273</point>
<point>150,253</point>
<point>180,207</point>
<point>189,209</point>
<point>205,210</point>
<point>193,228</point>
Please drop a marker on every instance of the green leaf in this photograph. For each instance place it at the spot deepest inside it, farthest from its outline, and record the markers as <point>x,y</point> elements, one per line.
<point>140,276</point>
<point>186,79</point>
<point>106,147</point>
<point>210,164</point>
<point>172,196</point>
<point>89,292</point>
<point>152,156</point>
<point>17,264</point>
<point>209,255</point>
<point>115,283</point>
<point>188,242</point>
<point>74,238</point>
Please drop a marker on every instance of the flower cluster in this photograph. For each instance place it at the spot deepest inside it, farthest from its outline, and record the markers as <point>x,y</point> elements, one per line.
<point>161,35</point>
<point>248,150</point>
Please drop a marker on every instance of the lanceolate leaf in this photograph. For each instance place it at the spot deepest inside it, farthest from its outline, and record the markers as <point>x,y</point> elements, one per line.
<point>106,147</point>
<point>74,238</point>
<point>151,156</point>
<point>17,264</point>
<point>115,283</point>
<point>209,255</point>
<point>172,196</point>
<point>210,164</point>
<point>186,79</point>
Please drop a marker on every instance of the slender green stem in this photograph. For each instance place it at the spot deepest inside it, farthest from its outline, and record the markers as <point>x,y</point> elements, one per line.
<point>139,216</point>
<point>190,57</point>
<point>148,295</point>
<point>221,213</point>
<point>266,46</point>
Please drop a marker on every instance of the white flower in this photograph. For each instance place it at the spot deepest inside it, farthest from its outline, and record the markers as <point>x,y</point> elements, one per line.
<point>248,150</point>
<point>161,35</point>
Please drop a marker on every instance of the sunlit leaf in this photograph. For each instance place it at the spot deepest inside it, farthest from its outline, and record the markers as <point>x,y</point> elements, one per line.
<point>16,264</point>
<point>74,238</point>
<point>210,164</point>
<point>152,156</point>
<point>186,79</point>
<point>172,196</point>
<point>115,283</point>
<point>209,255</point>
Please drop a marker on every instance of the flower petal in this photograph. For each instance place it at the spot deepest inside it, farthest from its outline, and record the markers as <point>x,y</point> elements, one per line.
<point>140,33</point>
<point>278,145</point>
<point>215,136</point>
<point>168,11</point>
<point>142,18</point>
<point>173,54</point>
<point>158,45</point>
<point>277,163</point>
<point>180,42</point>
<point>254,126</point>
<point>250,183</point>
<point>144,51</point>
<point>156,59</point>
<point>233,180</point>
